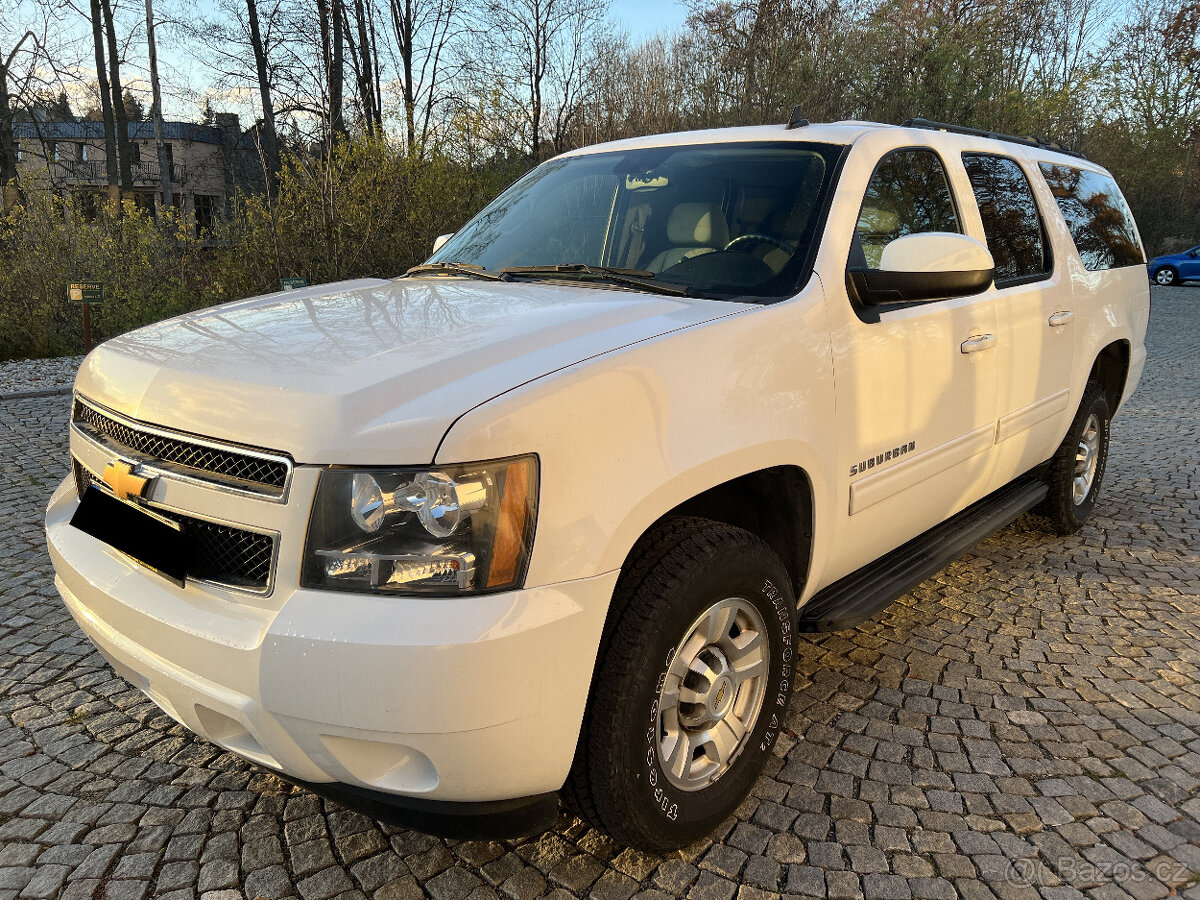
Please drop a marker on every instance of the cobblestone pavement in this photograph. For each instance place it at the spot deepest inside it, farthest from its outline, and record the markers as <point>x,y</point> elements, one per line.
<point>1025,723</point>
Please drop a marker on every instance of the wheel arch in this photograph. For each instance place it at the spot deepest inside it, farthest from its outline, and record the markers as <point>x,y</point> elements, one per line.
<point>775,504</point>
<point>1111,370</point>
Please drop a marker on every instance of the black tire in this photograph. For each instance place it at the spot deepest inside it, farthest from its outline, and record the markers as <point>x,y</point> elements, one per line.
<point>679,572</point>
<point>1063,511</point>
<point>1166,276</point>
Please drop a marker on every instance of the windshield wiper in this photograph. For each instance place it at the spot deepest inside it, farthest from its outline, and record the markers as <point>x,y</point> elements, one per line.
<point>457,268</point>
<point>632,277</point>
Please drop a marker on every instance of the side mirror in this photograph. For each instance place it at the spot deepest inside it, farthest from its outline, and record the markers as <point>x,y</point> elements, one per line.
<point>440,240</point>
<point>930,266</point>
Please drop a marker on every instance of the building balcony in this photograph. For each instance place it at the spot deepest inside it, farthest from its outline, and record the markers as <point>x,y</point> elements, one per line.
<point>94,172</point>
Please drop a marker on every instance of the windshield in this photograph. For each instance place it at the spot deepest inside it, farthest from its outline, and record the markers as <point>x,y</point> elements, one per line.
<point>720,219</point>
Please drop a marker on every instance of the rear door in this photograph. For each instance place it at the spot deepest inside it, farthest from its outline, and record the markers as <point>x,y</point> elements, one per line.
<point>1035,313</point>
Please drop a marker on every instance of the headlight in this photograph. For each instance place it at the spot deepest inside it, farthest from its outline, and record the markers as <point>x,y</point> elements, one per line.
<point>445,530</point>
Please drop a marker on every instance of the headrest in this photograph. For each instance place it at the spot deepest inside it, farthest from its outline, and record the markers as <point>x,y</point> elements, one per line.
<point>698,223</point>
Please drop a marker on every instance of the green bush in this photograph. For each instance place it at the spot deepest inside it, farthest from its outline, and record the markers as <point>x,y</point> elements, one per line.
<point>364,209</point>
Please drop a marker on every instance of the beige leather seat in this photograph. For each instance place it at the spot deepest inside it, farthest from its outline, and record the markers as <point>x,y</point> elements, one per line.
<point>694,228</point>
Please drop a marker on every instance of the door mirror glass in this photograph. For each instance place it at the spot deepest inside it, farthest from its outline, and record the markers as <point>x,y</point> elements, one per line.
<point>925,266</point>
<point>441,240</point>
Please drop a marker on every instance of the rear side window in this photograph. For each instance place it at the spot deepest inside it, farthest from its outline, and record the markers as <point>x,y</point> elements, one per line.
<point>1011,222</point>
<point>908,194</point>
<point>1100,221</point>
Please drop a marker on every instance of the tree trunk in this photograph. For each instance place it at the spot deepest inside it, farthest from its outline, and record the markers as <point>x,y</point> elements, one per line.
<point>537,72</point>
<point>375,79</point>
<point>329,12</point>
<point>164,159</point>
<point>124,150</point>
<point>337,122</point>
<point>8,155</point>
<point>106,110</point>
<point>402,21</point>
<point>270,142</point>
<point>365,92</point>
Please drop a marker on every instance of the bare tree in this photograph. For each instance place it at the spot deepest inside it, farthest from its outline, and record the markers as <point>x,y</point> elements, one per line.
<point>534,52</point>
<point>1154,83</point>
<point>364,61</point>
<point>106,107</point>
<point>164,157</point>
<point>270,139</point>
<point>8,96</point>
<point>124,148</point>
<point>331,15</point>
<point>423,31</point>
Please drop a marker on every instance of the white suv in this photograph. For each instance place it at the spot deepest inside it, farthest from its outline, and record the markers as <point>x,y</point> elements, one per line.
<point>544,516</point>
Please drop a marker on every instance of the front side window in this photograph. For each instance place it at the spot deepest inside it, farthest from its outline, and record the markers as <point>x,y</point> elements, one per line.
<point>907,194</point>
<point>1097,216</point>
<point>725,220</point>
<point>1011,222</point>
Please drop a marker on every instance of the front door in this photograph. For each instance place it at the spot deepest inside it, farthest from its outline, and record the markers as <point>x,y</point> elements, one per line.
<point>916,385</point>
<point>1189,265</point>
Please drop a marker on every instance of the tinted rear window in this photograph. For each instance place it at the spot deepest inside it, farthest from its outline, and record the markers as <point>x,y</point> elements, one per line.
<point>1011,222</point>
<point>1100,221</point>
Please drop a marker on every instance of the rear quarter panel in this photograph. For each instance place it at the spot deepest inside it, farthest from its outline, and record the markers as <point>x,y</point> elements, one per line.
<point>1111,305</point>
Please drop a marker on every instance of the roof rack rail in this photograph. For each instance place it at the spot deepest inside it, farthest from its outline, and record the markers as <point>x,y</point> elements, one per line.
<point>1028,141</point>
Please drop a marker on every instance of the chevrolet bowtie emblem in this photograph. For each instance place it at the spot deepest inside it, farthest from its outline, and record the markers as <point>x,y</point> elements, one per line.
<point>119,475</point>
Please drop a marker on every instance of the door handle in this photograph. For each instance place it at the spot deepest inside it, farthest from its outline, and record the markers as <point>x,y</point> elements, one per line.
<point>1061,318</point>
<point>979,342</point>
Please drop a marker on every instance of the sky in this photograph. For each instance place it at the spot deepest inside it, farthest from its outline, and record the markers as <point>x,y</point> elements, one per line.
<point>644,17</point>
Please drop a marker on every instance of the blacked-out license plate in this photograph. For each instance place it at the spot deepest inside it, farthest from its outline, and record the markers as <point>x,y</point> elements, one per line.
<point>156,543</point>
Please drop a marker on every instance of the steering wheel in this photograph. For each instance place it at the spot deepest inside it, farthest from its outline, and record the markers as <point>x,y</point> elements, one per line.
<point>786,248</point>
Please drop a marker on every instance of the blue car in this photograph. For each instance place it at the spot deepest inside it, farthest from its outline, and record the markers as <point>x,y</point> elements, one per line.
<point>1177,268</point>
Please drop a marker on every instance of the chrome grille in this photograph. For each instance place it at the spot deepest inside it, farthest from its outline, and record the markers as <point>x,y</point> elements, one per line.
<point>201,458</point>
<point>222,554</point>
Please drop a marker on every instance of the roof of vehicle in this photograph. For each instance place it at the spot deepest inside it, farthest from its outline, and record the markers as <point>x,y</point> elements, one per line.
<point>845,132</point>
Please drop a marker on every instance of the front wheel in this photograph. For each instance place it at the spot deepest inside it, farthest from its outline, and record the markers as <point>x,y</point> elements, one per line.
<point>1166,276</point>
<point>691,687</point>
<point>1077,469</point>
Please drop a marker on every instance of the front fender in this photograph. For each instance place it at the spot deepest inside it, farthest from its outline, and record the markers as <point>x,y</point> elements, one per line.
<point>627,436</point>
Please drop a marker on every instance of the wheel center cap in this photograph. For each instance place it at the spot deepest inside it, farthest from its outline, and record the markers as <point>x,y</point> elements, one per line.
<point>720,698</point>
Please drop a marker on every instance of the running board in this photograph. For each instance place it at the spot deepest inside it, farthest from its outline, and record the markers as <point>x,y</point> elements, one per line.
<point>861,594</point>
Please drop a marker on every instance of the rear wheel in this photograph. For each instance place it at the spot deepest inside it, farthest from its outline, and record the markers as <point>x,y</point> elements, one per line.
<point>1077,469</point>
<point>690,689</point>
<point>1166,276</point>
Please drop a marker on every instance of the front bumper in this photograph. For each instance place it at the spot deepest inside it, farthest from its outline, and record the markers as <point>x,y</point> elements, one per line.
<point>472,699</point>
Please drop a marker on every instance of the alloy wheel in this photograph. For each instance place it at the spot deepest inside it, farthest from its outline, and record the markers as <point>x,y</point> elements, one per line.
<point>712,693</point>
<point>1087,457</point>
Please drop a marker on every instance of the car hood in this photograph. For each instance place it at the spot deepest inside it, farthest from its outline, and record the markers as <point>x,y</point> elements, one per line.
<point>368,371</point>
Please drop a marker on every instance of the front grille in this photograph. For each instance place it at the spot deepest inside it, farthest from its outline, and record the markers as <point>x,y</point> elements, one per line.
<point>202,459</point>
<point>222,554</point>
